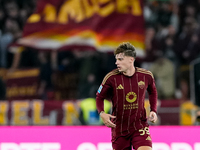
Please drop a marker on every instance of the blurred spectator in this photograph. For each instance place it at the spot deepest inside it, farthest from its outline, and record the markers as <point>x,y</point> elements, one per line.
<point>175,20</point>
<point>2,17</point>
<point>172,33</point>
<point>184,87</point>
<point>26,9</point>
<point>197,121</point>
<point>190,11</point>
<point>66,62</point>
<point>163,71</point>
<point>5,40</point>
<point>198,11</point>
<point>150,13</point>
<point>107,58</point>
<point>65,65</point>
<point>163,20</point>
<point>12,19</point>
<point>186,55</point>
<point>164,14</point>
<point>11,32</point>
<point>13,26</point>
<point>192,50</point>
<point>11,9</point>
<point>151,45</point>
<point>89,87</point>
<point>170,54</point>
<point>2,90</point>
<point>29,58</point>
<point>89,73</point>
<point>168,50</point>
<point>187,48</point>
<point>45,84</point>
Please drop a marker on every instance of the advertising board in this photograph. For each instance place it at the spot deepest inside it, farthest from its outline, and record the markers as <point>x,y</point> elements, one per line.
<point>92,138</point>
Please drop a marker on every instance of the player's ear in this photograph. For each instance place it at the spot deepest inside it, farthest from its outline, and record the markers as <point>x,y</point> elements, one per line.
<point>132,59</point>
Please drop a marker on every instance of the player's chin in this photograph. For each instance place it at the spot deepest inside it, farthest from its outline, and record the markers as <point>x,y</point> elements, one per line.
<point>119,69</point>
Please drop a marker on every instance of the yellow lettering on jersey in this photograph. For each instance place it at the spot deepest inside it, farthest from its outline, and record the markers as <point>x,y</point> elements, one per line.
<point>37,117</point>
<point>3,113</point>
<point>20,113</point>
<point>131,106</point>
<point>70,113</point>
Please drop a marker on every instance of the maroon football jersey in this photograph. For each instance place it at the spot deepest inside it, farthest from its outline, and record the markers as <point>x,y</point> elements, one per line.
<point>127,94</point>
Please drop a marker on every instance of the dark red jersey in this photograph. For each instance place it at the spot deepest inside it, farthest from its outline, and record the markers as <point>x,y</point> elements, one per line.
<point>127,94</point>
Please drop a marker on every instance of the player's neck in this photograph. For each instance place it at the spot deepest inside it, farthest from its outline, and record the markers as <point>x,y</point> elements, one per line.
<point>130,71</point>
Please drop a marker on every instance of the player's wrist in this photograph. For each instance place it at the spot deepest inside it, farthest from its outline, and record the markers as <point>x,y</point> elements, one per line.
<point>101,112</point>
<point>153,111</point>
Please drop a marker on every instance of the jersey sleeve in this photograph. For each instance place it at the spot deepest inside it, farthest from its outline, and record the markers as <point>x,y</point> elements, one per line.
<point>152,91</point>
<point>104,92</point>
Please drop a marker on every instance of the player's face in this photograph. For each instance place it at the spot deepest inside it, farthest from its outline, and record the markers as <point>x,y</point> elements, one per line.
<point>123,62</point>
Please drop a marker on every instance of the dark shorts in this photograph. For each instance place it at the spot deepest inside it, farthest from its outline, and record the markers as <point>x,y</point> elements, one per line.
<point>136,139</point>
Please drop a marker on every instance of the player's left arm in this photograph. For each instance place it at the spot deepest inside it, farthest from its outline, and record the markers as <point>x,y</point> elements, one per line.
<point>152,99</point>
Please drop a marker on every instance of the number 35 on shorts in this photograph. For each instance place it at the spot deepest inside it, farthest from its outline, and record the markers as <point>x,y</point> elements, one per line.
<point>144,131</point>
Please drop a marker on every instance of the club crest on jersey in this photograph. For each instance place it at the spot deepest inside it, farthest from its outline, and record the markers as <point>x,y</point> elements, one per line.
<point>100,88</point>
<point>141,84</point>
<point>131,97</point>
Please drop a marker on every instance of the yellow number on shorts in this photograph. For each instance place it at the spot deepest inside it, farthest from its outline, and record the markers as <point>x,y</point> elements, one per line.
<point>145,130</point>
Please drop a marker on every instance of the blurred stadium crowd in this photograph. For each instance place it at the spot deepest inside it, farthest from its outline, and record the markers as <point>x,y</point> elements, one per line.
<point>172,42</point>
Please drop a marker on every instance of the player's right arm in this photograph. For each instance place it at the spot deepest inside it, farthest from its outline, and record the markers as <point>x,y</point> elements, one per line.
<point>106,119</point>
<point>104,91</point>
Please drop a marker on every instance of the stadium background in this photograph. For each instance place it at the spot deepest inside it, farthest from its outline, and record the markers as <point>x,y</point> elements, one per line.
<point>54,55</point>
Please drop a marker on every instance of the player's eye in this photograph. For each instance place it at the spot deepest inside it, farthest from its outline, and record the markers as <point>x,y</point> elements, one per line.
<point>119,59</point>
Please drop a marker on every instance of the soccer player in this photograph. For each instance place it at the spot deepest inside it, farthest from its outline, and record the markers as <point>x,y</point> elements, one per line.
<point>126,87</point>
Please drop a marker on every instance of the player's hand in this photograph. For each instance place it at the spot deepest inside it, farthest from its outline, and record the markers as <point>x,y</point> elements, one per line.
<point>153,117</point>
<point>106,119</point>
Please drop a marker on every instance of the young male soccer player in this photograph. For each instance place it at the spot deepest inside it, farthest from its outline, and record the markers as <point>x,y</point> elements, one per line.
<point>126,87</point>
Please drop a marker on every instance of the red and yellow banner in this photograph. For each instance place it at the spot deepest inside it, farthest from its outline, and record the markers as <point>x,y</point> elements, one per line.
<point>87,24</point>
<point>22,84</point>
